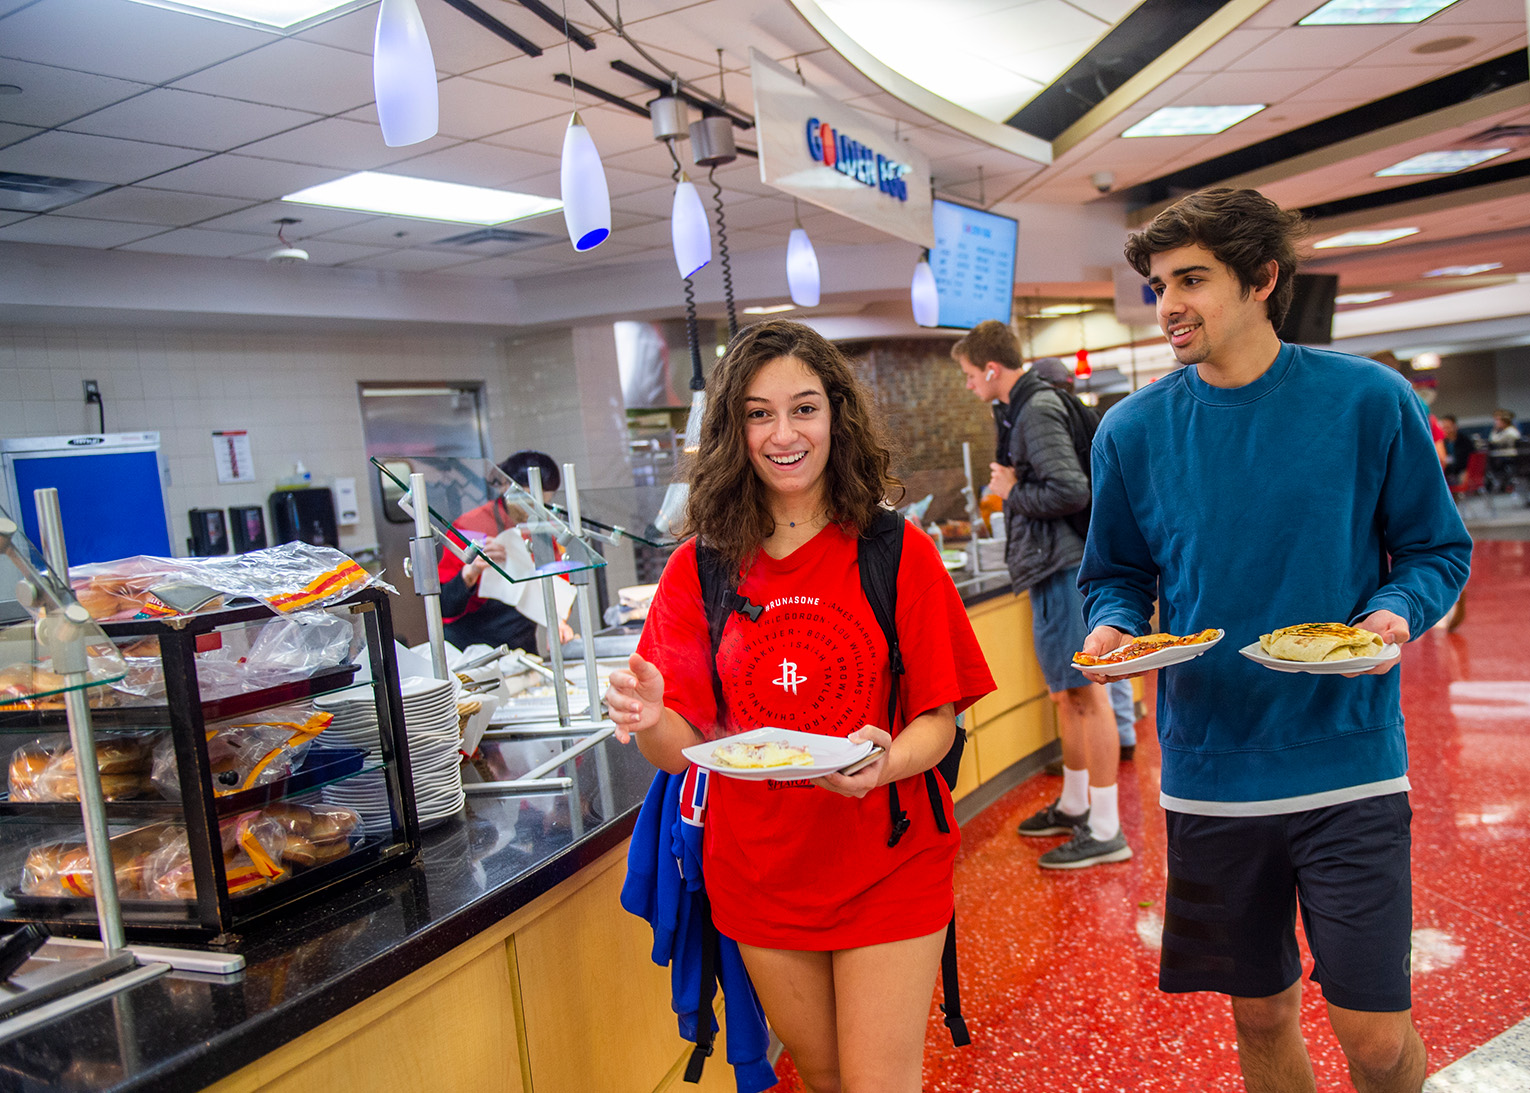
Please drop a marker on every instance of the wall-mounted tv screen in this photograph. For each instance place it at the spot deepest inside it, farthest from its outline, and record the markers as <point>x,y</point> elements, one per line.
<point>974,264</point>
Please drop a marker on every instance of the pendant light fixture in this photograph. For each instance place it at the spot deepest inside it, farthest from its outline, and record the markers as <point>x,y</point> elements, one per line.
<point>801,265</point>
<point>404,76</point>
<point>922,292</point>
<point>1081,369</point>
<point>689,230</point>
<point>582,178</point>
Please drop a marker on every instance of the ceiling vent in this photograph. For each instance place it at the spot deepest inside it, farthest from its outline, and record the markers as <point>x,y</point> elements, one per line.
<point>498,240</point>
<point>41,193</point>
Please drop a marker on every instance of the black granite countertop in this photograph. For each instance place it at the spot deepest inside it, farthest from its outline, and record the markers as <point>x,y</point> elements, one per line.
<point>183,1030</point>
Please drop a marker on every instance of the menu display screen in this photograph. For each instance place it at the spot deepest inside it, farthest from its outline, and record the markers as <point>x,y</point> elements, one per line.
<point>974,264</point>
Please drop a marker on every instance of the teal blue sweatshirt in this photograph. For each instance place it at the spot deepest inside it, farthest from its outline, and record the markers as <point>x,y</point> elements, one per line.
<point>1313,494</point>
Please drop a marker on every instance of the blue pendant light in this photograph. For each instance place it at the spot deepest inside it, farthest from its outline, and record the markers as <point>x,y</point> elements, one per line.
<point>586,200</point>
<point>922,292</point>
<point>404,75</point>
<point>689,230</point>
<point>801,268</point>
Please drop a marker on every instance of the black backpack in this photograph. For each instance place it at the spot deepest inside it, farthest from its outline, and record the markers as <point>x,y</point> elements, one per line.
<point>1083,423</point>
<point>879,551</point>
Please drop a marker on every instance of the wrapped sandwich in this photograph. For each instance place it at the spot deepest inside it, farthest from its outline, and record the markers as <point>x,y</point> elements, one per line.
<point>1311,642</point>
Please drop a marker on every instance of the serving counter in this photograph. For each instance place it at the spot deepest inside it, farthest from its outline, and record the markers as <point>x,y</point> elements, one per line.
<point>499,961</point>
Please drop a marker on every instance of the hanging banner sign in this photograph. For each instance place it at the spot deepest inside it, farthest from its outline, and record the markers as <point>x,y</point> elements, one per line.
<point>816,149</point>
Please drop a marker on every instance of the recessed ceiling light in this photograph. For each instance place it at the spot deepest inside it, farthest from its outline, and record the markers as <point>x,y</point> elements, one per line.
<point>1185,121</point>
<point>1441,163</point>
<point>262,14</point>
<point>424,199</point>
<point>1463,271</point>
<point>1354,12</point>
<point>773,309</point>
<point>1360,297</point>
<point>1065,309</point>
<point>1364,238</point>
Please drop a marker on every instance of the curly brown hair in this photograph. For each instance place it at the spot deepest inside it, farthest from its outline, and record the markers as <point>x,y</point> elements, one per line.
<point>728,506</point>
<point>1243,229</point>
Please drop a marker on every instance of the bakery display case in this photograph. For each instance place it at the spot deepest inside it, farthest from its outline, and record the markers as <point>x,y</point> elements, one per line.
<point>223,800</point>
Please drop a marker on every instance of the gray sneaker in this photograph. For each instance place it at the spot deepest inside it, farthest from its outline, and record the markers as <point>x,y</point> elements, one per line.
<point>1053,821</point>
<point>1084,850</point>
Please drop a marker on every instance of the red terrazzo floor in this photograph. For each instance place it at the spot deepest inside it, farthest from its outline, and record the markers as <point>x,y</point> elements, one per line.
<point>1059,970</point>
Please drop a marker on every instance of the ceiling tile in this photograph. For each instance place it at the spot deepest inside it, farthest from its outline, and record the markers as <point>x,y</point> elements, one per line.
<point>1319,47</point>
<point>472,108</point>
<point>456,42</point>
<point>9,217</point>
<point>170,116</point>
<point>1362,83</point>
<point>410,261</point>
<point>202,243</point>
<point>336,142</point>
<point>312,219</point>
<point>244,176</point>
<point>479,164</point>
<point>99,159</point>
<point>514,266</point>
<point>292,73</point>
<point>51,95</point>
<point>1244,86</point>
<point>131,41</point>
<point>1225,52</point>
<point>10,134</point>
<point>63,231</point>
<point>1483,39</point>
<point>614,131</point>
<point>141,205</point>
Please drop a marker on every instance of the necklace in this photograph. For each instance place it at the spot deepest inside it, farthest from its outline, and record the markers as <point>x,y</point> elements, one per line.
<point>821,516</point>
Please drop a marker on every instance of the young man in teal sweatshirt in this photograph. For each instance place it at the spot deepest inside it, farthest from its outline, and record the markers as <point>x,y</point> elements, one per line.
<point>1260,486</point>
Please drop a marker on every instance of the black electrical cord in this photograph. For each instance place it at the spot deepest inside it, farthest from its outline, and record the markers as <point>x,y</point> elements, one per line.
<point>722,250</point>
<point>692,337</point>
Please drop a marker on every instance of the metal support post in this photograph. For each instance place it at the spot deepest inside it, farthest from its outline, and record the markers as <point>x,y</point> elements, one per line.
<point>542,553</point>
<point>64,638</point>
<point>585,588</point>
<point>427,578</point>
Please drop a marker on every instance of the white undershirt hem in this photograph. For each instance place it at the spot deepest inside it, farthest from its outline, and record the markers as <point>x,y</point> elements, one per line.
<point>1282,805</point>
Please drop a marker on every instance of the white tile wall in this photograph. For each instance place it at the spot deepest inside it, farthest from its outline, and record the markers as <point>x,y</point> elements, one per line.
<point>296,394</point>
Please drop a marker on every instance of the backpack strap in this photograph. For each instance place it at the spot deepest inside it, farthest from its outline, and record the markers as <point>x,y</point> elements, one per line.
<point>705,1033</point>
<point>952,1005</point>
<point>879,552</point>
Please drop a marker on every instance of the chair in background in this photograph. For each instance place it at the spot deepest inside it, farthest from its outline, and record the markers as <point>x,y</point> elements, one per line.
<point>1474,481</point>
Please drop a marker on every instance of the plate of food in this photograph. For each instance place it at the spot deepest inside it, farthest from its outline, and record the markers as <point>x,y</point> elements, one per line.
<point>954,559</point>
<point>1320,648</point>
<point>779,754</point>
<point>1148,652</point>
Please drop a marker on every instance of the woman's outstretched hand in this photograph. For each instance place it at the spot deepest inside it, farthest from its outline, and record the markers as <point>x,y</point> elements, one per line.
<point>635,698</point>
<point>878,772</point>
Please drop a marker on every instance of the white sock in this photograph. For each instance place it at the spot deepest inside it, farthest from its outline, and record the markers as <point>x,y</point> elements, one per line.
<point>1104,813</point>
<point>1075,795</point>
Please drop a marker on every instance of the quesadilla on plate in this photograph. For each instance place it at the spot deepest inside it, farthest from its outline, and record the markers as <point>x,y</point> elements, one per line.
<point>1311,642</point>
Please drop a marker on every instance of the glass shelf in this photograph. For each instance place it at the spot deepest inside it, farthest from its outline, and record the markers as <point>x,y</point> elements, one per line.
<point>463,486</point>
<point>60,648</point>
<point>625,512</point>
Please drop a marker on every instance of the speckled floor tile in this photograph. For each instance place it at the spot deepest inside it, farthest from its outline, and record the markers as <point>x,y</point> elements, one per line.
<point>1059,970</point>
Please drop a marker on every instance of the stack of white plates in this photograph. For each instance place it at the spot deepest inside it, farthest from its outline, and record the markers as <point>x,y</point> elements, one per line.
<point>430,722</point>
<point>355,720</point>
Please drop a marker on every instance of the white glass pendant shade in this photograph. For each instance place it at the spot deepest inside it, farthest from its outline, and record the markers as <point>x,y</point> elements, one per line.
<point>922,293</point>
<point>404,75</point>
<point>801,269</point>
<point>689,230</point>
<point>586,200</point>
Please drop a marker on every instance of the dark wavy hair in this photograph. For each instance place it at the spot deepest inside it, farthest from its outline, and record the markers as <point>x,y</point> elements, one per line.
<point>728,506</point>
<point>1243,229</point>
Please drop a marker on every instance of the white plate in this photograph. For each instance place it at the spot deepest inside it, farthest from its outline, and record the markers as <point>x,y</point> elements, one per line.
<point>1174,654</point>
<point>830,753</point>
<point>954,559</point>
<point>1388,654</point>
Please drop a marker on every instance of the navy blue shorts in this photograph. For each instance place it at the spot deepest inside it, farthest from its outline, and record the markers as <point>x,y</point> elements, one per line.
<point>1057,628</point>
<point>1235,883</point>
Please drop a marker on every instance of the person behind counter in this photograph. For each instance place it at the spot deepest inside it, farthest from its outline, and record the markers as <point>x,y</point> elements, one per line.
<point>1212,498</point>
<point>841,934</point>
<point>471,619</point>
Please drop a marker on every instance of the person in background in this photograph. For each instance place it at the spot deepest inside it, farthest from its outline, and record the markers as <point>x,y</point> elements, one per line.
<point>1458,449</point>
<point>1280,790</point>
<point>841,928</point>
<point>1503,446</point>
<point>471,619</point>
<point>1426,388</point>
<point>1037,472</point>
<point>1122,704</point>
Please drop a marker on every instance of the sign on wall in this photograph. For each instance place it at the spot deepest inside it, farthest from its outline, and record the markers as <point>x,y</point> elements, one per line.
<point>834,157</point>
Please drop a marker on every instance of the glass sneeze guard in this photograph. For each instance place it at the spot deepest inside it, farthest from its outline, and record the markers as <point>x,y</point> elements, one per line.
<point>60,648</point>
<point>470,484</point>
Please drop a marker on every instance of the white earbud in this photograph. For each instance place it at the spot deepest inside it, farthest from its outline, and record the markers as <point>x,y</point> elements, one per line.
<point>988,375</point>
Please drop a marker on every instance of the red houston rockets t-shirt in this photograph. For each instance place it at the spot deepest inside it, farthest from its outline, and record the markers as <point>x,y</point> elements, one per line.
<point>790,865</point>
